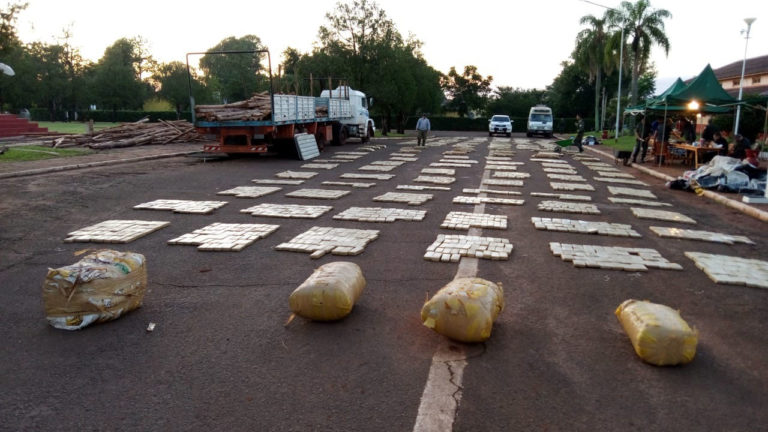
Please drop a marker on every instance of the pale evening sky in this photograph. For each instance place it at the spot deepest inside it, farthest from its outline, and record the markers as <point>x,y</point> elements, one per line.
<point>520,43</point>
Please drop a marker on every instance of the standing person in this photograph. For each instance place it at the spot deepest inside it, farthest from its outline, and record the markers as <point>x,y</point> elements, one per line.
<point>688,132</point>
<point>579,133</point>
<point>708,134</point>
<point>655,129</point>
<point>422,128</point>
<point>663,134</point>
<point>642,135</point>
<point>666,131</point>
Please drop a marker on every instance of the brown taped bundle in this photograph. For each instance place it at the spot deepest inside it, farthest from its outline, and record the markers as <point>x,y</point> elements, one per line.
<point>102,286</point>
<point>329,293</point>
<point>464,309</point>
<point>658,333</point>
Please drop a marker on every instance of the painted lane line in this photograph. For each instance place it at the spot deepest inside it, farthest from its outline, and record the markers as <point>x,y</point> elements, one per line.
<point>442,393</point>
<point>443,390</point>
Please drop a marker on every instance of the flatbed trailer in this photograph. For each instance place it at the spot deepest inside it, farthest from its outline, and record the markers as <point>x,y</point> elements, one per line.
<point>256,136</point>
<point>290,115</point>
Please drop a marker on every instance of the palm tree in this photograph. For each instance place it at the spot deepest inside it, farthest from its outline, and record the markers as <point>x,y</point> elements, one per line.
<point>590,54</point>
<point>644,27</point>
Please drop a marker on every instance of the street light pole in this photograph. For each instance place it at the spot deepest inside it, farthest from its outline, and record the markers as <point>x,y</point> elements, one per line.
<point>748,199</point>
<point>618,97</point>
<point>749,22</point>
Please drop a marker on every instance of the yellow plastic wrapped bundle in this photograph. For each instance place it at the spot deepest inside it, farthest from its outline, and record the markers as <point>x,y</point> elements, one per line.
<point>464,309</point>
<point>658,333</point>
<point>102,286</point>
<point>329,293</point>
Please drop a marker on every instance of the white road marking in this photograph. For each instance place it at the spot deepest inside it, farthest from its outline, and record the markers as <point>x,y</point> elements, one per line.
<point>442,392</point>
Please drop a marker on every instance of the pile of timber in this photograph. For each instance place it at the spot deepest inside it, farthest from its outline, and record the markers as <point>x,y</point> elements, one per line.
<point>133,134</point>
<point>259,107</point>
<point>321,111</point>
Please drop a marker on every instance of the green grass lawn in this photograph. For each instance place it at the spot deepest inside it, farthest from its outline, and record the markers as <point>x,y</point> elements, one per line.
<point>624,142</point>
<point>74,127</point>
<point>31,153</point>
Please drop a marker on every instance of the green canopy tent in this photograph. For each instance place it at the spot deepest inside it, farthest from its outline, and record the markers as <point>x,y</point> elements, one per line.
<point>670,99</point>
<point>678,85</point>
<point>705,89</point>
<point>655,103</point>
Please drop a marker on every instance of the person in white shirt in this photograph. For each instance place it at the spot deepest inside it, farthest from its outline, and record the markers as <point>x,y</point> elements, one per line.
<point>422,128</point>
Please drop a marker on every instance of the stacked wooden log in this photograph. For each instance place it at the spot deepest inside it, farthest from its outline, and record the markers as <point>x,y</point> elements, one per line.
<point>259,107</point>
<point>133,134</point>
<point>321,111</point>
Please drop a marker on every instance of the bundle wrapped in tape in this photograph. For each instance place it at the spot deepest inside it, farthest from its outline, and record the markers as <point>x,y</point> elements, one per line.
<point>329,293</point>
<point>658,333</point>
<point>102,286</point>
<point>464,309</point>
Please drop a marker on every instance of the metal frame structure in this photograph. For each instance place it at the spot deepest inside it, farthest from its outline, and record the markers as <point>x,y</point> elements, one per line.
<point>321,127</point>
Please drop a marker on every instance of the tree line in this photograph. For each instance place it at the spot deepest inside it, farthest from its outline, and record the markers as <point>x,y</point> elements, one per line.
<point>358,45</point>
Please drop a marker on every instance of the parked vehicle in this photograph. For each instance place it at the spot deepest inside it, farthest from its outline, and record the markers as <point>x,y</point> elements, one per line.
<point>336,115</point>
<point>355,122</point>
<point>540,121</point>
<point>500,124</point>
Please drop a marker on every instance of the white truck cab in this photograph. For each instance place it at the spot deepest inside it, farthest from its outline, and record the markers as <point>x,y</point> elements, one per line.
<point>357,123</point>
<point>540,121</point>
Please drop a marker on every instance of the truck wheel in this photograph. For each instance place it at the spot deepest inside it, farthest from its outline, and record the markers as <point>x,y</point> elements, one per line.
<point>509,134</point>
<point>528,134</point>
<point>339,135</point>
<point>368,135</point>
<point>335,132</point>
<point>321,141</point>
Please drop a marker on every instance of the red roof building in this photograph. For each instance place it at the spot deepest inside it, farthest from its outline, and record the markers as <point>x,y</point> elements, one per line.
<point>755,76</point>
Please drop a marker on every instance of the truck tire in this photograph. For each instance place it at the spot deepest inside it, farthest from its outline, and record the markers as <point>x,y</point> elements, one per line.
<point>368,134</point>
<point>335,130</point>
<point>322,143</point>
<point>339,135</point>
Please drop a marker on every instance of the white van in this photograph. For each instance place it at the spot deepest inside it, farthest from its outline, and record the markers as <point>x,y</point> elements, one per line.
<point>540,121</point>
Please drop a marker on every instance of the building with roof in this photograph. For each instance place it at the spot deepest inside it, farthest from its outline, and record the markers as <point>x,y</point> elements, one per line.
<point>755,76</point>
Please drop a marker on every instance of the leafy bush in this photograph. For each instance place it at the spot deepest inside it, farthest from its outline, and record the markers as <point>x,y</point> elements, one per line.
<point>156,104</point>
<point>750,122</point>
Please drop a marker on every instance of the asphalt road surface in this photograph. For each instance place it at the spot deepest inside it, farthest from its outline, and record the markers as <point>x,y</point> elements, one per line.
<point>220,357</point>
